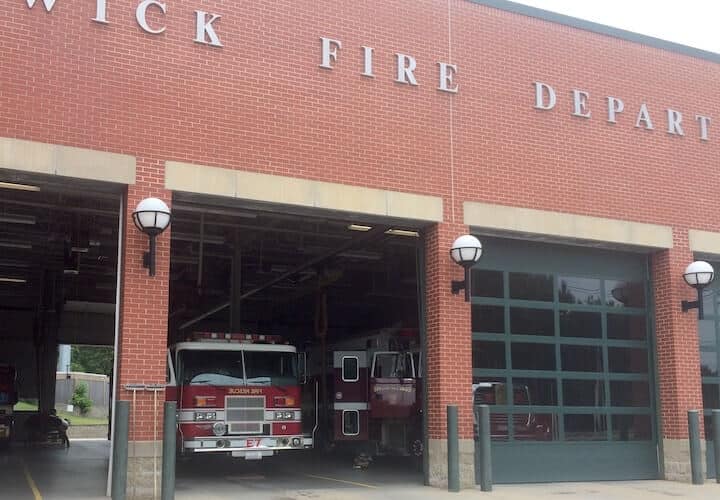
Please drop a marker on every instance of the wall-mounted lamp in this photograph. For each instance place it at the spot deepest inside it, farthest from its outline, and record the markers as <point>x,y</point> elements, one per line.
<point>466,251</point>
<point>152,217</point>
<point>698,275</point>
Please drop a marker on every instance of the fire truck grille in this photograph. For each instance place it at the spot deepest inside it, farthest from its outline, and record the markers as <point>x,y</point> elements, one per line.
<point>245,414</point>
<point>245,428</point>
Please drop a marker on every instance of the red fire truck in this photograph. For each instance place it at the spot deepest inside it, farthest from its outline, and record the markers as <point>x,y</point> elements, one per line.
<point>375,394</point>
<point>8,399</point>
<point>237,394</point>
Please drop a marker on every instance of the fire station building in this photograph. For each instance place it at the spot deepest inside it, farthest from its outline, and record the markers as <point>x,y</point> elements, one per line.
<point>319,159</point>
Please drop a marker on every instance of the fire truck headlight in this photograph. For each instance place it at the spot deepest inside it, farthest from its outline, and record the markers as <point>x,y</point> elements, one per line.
<point>219,428</point>
<point>205,415</point>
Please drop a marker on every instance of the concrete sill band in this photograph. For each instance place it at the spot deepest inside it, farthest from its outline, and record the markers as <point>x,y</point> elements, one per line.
<point>253,186</point>
<point>566,227</point>
<point>66,161</point>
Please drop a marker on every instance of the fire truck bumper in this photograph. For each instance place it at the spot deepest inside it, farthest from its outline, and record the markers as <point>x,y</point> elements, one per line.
<point>248,447</point>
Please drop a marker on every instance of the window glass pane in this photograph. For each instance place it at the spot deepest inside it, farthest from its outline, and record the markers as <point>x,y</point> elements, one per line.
<point>350,369</point>
<point>488,319</point>
<point>711,396</point>
<point>708,427</point>
<point>487,283</point>
<point>627,360</point>
<point>525,321</point>
<point>527,286</point>
<point>498,426</point>
<point>579,291</point>
<point>631,428</point>
<point>580,324</point>
<point>591,427</point>
<point>535,391</point>
<point>624,293</point>
<point>581,358</point>
<point>708,364</point>
<point>488,354</point>
<point>629,393</point>
<point>351,422</point>
<point>709,297</point>
<point>708,336</point>
<point>533,427</point>
<point>583,392</point>
<point>489,391</point>
<point>533,356</point>
<point>626,327</point>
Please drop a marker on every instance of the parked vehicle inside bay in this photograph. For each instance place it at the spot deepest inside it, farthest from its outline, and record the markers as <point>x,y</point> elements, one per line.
<point>8,399</point>
<point>529,426</point>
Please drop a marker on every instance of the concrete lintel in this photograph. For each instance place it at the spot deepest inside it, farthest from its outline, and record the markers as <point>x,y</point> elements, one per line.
<point>566,226</point>
<point>294,191</point>
<point>704,242</point>
<point>66,161</point>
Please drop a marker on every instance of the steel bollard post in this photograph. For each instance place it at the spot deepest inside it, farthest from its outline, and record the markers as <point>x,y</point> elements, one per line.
<point>716,441</point>
<point>120,450</point>
<point>453,449</point>
<point>485,451</point>
<point>168,460</point>
<point>695,448</point>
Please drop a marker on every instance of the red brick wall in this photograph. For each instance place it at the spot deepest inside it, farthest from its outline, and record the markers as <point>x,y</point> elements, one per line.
<point>449,341</point>
<point>144,308</point>
<point>678,354</point>
<point>261,103</point>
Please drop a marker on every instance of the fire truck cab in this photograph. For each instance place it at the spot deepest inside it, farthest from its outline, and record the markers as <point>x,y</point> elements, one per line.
<point>237,394</point>
<point>375,395</point>
<point>8,399</point>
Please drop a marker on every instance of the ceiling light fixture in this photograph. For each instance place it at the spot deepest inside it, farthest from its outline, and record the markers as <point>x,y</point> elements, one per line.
<point>18,219</point>
<point>16,244</point>
<point>18,187</point>
<point>403,232</point>
<point>359,227</point>
<point>5,279</point>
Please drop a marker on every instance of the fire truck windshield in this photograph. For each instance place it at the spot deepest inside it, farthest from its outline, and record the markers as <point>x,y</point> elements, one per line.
<point>200,367</point>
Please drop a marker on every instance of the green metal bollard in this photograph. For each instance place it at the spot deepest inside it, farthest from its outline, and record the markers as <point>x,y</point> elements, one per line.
<point>120,450</point>
<point>716,441</point>
<point>485,451</point>
<point>168,470</point>
<point>695,449</point>
<point>453,449</point>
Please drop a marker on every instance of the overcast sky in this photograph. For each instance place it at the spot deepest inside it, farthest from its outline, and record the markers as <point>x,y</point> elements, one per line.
<point>691,22</point>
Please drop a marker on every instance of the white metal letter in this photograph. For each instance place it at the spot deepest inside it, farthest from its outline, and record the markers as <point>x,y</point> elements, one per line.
<point>644,116</point>
<point>329,51</point>
<point>101,12</point>
<point>141,13</point>
<point>674,119</point>
<point>704,123</point>
<point>405,69</point>
<point>615,106</point>
<point>540,90</point>
<point>49,4</point>
<point>368,58</point>
<point>447,72</point>
<point>580,98</point>
<point>206,30</point>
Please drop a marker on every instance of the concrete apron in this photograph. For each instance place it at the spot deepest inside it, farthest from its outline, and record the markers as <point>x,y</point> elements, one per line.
<point>144,475</point>
<point>438,458</point>
<point>676,458</point>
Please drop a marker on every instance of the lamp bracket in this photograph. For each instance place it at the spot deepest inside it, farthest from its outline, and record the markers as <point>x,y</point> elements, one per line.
<point>457,286</point>
<point>690,304</point>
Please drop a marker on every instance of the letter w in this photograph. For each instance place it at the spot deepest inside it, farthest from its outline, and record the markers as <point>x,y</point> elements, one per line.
<point>49,4</point>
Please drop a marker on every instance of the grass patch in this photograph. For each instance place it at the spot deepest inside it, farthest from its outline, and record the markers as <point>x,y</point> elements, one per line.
<point>74,419</point>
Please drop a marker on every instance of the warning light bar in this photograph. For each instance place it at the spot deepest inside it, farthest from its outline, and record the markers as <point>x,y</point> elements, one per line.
<point>240,338</point>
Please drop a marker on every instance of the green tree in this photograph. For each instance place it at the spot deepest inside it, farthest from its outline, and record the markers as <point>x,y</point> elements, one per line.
<point>92,359</point>
<point>81,400</point>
